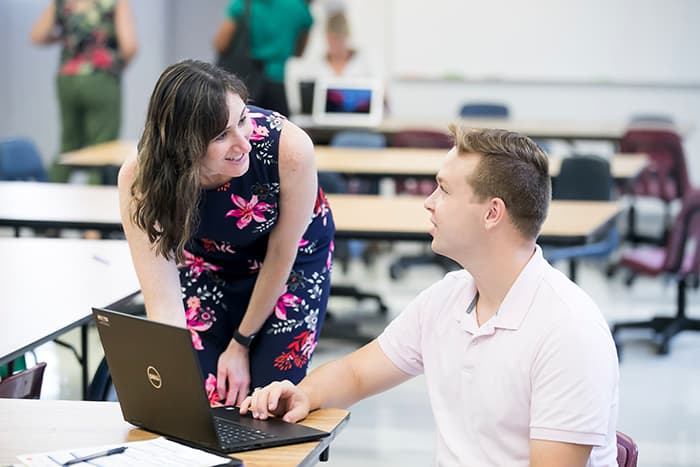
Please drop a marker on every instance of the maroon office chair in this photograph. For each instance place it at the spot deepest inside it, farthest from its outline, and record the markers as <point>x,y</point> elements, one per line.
<point>665,178</point>
<point>627,451</point>
<point>419,139</point>
<point>23,385</point>
<point>680,259</point>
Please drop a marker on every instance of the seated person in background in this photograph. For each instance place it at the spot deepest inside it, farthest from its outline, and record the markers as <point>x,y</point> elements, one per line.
<point>520,364</point>
<point>341,59</point>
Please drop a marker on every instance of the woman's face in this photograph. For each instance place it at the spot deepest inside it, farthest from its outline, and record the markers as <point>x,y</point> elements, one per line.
<point>228,153</point>
<point>337,43</point>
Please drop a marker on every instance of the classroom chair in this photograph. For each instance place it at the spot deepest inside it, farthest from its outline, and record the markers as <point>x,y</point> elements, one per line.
<point>588,178</point>
<point>20,161</point>
<point>650,120</point>
<point>484,109</point>
<point>358,139</point>
<point>679,260</point>
<point>419,139</point>
<point>665,178</point>
<point>627,451</point>
<point>23,385</point>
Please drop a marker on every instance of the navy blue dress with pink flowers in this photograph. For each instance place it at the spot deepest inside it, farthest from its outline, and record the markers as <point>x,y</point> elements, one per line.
<point>224,257</point>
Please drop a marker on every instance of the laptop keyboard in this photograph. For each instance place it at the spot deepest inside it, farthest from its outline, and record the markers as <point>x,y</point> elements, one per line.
<point>232,434</point>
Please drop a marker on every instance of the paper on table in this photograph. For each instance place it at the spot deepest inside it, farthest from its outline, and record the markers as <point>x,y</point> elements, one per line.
<point>155,452</point>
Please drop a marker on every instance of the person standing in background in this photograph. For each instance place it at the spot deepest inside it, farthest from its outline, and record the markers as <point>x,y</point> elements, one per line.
<point>98,40</point>
<point>279,29</point>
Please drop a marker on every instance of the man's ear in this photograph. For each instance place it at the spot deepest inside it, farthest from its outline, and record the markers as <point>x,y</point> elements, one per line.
<point>495,213</point>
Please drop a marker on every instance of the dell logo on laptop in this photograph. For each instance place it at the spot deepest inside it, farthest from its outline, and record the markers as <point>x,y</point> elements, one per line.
<point>154,377</point>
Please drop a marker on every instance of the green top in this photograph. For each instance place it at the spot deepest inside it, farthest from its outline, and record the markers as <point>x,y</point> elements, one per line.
<point>275,27</point>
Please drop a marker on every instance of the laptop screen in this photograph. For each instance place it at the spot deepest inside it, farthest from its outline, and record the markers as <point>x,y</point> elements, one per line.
<point>342,100</point>
<point>348,102</point>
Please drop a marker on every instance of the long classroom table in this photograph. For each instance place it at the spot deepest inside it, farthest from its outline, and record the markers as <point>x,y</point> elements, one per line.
<point>356,216</point>
<point>382,162</point>
<point>34,426</point>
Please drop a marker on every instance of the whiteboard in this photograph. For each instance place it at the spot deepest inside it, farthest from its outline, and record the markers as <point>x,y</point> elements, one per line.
<point>630,41</point>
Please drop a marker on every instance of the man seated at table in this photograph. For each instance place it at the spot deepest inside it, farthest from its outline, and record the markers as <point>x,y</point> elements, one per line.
<point>520,364</point>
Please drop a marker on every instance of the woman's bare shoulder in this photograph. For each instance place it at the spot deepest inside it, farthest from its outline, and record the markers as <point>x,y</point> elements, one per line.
<point>127,173</point>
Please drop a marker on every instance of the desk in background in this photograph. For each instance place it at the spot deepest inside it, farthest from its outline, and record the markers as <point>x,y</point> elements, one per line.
<point>30,426</point>
<point>389,162</point>
<point>384,162</point>
<point>356,216</point>
<point>405,218</point>
<point>50,285</point>
<point>59,205</point>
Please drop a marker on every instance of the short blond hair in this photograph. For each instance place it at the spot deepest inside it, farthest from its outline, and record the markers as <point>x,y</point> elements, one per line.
<point>513,168</point>
<point>337,23</point>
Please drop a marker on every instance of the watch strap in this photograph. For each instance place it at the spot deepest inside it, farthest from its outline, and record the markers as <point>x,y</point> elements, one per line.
<point>245,341</point>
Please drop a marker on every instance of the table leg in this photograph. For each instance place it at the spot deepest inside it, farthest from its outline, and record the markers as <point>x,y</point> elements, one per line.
<point>325,455</point>
<point>84,359</point>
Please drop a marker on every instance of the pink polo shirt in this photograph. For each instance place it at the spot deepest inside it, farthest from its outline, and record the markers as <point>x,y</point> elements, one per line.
<point>544,367</point>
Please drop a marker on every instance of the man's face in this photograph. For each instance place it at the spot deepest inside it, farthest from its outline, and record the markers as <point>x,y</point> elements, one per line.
<point>456,214</point>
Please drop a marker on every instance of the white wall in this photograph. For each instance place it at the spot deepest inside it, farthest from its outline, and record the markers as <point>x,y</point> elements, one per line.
<point>577,40</point>
<point>174,29</point>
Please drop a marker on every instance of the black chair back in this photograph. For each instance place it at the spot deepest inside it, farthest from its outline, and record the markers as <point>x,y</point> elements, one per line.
<point>582,177</point>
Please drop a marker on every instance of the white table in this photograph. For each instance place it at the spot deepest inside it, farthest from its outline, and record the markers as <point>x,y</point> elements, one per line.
<point>59,205</point>
<point>50,285</point>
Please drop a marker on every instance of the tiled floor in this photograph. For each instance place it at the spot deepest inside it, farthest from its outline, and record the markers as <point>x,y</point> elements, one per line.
<point>660,395</point>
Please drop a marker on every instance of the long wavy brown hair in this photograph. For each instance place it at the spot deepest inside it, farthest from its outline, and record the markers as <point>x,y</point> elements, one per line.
<point>187,110</point>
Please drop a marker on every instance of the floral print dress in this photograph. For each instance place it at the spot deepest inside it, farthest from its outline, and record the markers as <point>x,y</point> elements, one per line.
<point>225,255</point>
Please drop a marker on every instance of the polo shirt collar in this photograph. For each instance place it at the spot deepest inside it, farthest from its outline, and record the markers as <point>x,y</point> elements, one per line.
<point>517,301</point>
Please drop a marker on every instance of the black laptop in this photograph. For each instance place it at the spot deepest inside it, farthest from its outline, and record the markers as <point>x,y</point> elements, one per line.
<point>159,385</point>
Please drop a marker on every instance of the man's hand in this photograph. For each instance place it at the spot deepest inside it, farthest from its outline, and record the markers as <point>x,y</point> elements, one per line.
<point>281,399</point>
<point>233,370</point>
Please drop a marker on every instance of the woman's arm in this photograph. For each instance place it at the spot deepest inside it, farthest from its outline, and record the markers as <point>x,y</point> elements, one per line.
<point>224,35</point>
<point>297,198</point>
<point>44,31</point>
<point>126,32</point>
<point>298,191</point>
<point>159,278</point>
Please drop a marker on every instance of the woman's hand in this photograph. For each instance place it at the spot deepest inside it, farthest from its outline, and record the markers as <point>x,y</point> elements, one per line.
<point>233,374</point>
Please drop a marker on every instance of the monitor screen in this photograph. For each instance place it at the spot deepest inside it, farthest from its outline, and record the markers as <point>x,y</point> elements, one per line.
<point>343,100</point>
<point>352,102</point>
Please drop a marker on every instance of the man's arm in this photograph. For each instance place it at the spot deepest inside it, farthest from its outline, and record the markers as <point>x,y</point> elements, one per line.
<point>555,454</point>
<point>363,373</point>
<point>340,383</point>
